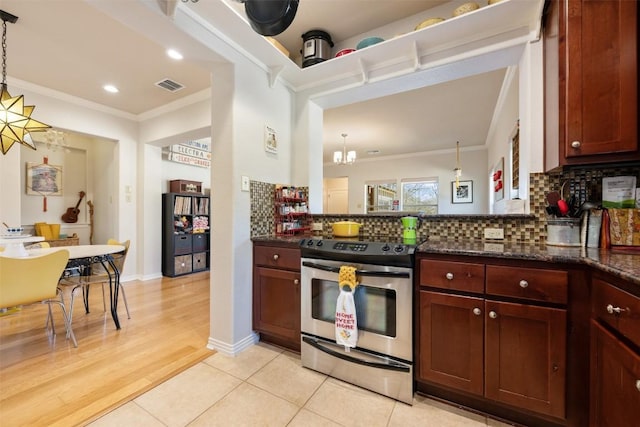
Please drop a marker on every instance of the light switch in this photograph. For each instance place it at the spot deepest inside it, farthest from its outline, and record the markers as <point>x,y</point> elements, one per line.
<point>245,183</point>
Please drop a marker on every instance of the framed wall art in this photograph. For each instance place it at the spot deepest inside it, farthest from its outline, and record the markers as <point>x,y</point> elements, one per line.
<point>270,140</point>
<point>44,179</point>
<point>462,194</point>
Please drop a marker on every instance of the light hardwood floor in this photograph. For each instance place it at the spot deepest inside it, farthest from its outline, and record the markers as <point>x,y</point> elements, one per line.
<point>45,381</point>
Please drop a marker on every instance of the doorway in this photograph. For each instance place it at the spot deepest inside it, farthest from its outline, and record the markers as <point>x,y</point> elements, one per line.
<point>336,195</point>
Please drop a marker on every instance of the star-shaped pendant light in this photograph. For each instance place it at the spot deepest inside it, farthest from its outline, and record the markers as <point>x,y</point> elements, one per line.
<point>16,123</point>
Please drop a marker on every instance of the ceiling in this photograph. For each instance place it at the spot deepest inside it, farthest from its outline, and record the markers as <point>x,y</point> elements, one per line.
<point>77,46</point>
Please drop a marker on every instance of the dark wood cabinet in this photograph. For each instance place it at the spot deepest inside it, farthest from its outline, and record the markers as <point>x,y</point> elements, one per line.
<point>615,354</point>
<point>615,380</point>
<point>591,82</point>
<point>276,295</point>
<point>502,338</point>
<point>525,356</point>
<point>185,233</point>
<point>451,342</point>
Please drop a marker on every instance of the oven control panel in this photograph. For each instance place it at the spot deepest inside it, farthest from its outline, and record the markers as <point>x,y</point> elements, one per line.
<point>349,246</point>
<point>366,252</point>
<point>329,246</point>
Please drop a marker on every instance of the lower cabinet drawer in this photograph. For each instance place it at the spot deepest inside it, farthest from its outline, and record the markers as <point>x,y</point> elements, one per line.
<point>200,261</point>
<point>459,276</point>
<point>182,264</point>
<point>533,284</point>
<point>278,257</point>
<point>616,308</point>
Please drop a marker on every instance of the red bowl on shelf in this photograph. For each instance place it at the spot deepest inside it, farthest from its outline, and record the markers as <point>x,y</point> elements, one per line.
<point>344,52</point>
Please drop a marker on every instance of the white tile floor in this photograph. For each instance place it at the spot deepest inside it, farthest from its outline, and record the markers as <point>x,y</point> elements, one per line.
<point>266,386</point>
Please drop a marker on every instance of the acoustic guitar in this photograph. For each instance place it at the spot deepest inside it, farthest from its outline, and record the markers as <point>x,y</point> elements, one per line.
<point>71,215</point>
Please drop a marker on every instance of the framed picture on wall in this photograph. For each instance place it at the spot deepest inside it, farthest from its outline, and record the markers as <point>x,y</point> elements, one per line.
<point>463,193</point>
<point>43,178</point>
<point>270,140</point>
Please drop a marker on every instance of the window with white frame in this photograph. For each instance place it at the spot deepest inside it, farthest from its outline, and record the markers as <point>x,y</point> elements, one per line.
<point>420,195</point>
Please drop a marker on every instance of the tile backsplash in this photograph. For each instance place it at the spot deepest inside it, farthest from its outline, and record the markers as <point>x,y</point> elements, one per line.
<point>585,183</point>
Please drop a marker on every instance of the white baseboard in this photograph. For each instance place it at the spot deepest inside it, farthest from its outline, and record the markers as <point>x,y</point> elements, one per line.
<point>233,349</point>
<point>151,276</point>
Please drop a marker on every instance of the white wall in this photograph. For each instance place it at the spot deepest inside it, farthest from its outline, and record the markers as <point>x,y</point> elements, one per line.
<point>435,164</point>
<point>87,165</point>
<point>498,141</point>
<point>66,112</point>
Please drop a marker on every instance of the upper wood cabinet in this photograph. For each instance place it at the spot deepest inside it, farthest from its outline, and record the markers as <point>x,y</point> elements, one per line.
<point>591,82</point>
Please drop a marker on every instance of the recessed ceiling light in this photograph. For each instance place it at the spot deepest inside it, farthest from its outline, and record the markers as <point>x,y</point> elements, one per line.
<point>110,88</point>
<point>174,54</point>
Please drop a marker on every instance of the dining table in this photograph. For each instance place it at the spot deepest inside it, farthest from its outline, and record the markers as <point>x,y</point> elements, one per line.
<point>14,243</point>
<point>81,258</point>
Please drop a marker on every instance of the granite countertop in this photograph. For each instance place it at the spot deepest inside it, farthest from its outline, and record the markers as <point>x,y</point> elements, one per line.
<point>621,263</point>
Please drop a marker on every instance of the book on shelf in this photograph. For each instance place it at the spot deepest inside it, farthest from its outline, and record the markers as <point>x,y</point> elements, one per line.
<point>182,205</point>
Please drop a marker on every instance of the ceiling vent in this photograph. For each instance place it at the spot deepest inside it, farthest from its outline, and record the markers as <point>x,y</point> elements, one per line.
<point>169,85</point>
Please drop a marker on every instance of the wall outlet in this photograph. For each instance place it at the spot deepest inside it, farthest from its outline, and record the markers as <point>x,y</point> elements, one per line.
<point>494,233</point>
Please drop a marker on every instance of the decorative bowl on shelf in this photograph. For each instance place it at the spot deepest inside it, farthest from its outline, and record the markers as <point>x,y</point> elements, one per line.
<point>466,8</point>
<point>428,22</point>
<point>369,41</point>
<point>344,52</point>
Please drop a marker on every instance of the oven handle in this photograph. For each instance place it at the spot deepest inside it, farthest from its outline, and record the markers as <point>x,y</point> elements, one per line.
<point>374,273</point>
<point>391,366</point>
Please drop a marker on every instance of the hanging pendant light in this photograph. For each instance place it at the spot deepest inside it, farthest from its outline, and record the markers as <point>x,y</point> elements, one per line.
<point>457,171</point>
<point>15,118</point>
<point>343,157</point>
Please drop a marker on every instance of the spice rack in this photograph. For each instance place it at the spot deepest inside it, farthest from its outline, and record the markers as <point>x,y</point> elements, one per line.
<point>291,210</point>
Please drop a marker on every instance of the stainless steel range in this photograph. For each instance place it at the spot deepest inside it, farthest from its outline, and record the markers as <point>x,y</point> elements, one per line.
<point>382,360</point>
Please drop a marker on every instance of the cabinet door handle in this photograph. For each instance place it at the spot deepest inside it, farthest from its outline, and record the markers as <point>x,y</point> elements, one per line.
<point>275,257</point>
<point>477,311</point>
<point>576,144</point>
<point>638,384</point>
<point>523,284</point>
<point>296,282</point>
<point>449,276</point>
<point>493,314</point>
<point>614,310</point>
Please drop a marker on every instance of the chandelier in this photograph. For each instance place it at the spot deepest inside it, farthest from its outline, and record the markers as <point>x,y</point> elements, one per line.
<point>457,171</point>
<point>15,117</point>
<point>343,157</point>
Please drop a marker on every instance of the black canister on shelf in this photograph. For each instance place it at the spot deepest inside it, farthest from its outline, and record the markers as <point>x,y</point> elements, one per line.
<point>316,47</point>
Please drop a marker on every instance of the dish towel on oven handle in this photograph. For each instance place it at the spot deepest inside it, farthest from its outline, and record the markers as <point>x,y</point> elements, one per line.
<point>346,319</point>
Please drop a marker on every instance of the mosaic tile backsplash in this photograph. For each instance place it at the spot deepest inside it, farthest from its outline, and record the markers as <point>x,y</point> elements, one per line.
<point>585,183</point>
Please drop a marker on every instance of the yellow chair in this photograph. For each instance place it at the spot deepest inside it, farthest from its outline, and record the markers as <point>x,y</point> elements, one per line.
<point>34,279</point>
<point>98,276</point>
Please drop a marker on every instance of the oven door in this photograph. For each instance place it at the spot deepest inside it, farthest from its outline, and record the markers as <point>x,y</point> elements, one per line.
<point>383,305</point>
